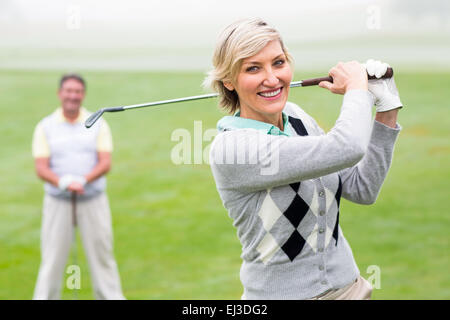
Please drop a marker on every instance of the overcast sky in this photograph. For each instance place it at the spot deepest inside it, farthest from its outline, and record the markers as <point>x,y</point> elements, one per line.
<point>134,24</point>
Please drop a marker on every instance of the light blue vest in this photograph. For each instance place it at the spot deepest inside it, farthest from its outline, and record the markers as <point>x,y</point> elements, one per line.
<point>73,150</point>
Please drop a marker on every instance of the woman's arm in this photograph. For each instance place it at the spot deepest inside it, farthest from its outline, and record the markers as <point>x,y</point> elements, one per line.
<point>389,118</point>
<point>362,182</point>
<point>249,160</point>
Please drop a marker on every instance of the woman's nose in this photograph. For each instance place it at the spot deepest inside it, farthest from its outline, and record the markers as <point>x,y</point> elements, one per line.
<point>271,79</point>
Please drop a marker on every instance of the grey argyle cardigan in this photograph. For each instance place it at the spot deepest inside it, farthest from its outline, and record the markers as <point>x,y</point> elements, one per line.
<point>283,194</point>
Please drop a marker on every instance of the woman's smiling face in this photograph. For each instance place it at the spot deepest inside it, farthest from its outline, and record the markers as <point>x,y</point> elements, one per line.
<point>262,83</point>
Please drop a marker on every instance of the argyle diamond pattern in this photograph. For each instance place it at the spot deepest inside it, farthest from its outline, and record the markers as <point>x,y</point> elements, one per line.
<point>276,216</point>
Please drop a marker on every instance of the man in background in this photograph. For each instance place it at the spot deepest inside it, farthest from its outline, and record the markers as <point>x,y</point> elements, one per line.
<point>73,161</point>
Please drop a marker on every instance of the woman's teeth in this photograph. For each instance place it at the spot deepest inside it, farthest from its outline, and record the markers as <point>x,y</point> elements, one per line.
<point>270,94</point>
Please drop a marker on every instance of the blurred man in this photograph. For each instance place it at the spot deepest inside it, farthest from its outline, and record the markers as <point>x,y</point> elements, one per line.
<point>73,160</point>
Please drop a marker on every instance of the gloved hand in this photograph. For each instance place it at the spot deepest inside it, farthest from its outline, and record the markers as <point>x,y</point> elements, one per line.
<point>384,90</point>
<point>67,179</point>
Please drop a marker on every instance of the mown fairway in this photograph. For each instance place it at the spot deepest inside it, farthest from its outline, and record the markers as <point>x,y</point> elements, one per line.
<point>173,238</point>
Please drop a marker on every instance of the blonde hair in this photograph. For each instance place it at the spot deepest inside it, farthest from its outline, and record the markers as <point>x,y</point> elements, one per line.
<point>240,40</point>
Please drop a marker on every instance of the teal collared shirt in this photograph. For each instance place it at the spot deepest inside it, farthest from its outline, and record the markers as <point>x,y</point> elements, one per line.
<point>236,122</point>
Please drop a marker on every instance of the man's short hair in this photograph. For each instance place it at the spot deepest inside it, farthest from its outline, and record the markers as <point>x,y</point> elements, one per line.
<point>74,76</point>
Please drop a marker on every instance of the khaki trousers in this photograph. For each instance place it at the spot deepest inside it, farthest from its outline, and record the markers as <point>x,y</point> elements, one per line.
<point>57,234</point>
<point>358,290</point>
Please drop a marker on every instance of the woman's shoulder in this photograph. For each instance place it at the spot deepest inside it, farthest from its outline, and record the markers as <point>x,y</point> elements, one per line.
<point>236,136</point>
<point>295,111</point>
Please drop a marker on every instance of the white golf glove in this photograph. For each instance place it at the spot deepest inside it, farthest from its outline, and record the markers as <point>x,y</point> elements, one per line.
<point>65,181</point>
<point>384,90</point>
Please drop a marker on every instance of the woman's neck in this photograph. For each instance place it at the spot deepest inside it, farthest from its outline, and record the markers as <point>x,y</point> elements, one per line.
<point>275,119</point>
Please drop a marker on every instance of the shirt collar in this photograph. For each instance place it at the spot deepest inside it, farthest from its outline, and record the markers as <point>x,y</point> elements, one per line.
<point>82,115</point>
<point>236,122</point>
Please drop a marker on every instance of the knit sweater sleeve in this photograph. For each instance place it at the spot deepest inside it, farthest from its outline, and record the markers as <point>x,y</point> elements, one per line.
<point>362,182</point>
<point>249,160</point>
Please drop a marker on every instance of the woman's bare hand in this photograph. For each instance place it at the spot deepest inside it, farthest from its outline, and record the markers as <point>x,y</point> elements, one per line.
<point>346,76</point>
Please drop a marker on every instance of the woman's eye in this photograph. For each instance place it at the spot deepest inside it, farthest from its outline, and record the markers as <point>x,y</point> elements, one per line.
<point>252,69</point>
<point>279,62</point>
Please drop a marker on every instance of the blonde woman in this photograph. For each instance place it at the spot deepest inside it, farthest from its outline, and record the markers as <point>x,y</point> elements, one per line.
<point>281,177</point>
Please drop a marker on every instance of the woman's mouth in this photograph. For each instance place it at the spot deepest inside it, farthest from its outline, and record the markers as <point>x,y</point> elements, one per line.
<point>271,95</point>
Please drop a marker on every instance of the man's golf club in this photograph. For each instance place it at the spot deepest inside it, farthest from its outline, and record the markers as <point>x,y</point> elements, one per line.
<point>74,245</point>
<point>302,83</point>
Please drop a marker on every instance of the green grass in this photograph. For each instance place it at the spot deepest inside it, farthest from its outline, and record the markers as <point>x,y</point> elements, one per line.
<point>173,238</point>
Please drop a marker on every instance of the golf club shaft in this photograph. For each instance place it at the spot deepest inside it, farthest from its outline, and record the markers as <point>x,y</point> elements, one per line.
<point>74,209</point>
<point>302,83</point>
<point>74,245</point>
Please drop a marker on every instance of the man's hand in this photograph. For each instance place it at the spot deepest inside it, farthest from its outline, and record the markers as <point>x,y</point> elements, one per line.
<point>72,183</point>
<point>384,90</point>
<point>346,76</point>
<point>76,187</point>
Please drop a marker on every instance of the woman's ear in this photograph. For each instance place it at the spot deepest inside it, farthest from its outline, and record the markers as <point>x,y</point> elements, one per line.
<point>228,85</point>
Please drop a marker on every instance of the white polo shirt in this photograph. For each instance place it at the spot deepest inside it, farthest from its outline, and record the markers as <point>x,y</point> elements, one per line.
<point>72,148</point>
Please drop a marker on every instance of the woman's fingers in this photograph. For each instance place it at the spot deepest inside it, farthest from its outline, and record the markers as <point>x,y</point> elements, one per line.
<point>346,76</point>
<point>325,85</point>
<point>338,74</point>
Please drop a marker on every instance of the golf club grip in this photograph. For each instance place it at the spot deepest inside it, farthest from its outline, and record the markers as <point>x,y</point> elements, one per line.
<point>314,82</point>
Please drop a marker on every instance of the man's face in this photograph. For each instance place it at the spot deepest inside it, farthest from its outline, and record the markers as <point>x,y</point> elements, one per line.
<point>71,95</point>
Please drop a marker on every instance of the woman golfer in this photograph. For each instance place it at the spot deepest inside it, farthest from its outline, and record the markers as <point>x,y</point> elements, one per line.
<point>281,177</point>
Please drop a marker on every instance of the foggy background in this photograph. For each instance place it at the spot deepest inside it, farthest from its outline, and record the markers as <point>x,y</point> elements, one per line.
<point>180,35</point>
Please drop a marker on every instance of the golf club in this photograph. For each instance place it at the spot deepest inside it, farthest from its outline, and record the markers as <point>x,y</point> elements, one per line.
<point>302,83</point>
<point>74,245</point>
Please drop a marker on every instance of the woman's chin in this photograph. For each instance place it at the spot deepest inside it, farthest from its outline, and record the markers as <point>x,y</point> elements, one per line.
<point>275,107</point>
